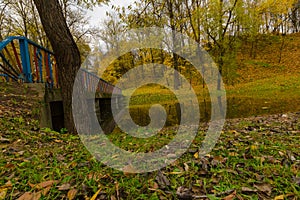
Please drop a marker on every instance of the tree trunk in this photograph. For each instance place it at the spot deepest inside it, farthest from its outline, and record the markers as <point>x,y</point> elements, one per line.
<point>66,52</point>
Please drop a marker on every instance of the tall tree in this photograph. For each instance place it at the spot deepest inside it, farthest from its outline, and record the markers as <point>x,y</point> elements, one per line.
<point>294,17</point>
<point>165,14</point>
<point>3,20</point>
<point>66,52</point>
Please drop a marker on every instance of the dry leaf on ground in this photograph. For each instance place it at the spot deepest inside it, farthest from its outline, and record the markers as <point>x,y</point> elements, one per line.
<point>65,186</point>
<point>3,192</point>
<point>71,194</point>
<point>231,196</point>
<point>96,194</point>
<point>264,187</point>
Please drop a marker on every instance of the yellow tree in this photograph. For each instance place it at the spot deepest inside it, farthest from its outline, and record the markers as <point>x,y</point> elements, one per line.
<point>276,14</point>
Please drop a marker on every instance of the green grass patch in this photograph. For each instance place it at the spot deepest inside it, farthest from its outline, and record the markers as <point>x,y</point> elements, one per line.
<point>241,159</point>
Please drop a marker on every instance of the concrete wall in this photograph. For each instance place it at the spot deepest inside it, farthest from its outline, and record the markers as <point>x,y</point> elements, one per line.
<point>52,115</point>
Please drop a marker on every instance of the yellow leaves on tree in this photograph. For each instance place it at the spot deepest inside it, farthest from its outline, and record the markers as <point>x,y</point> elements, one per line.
<point>276,6</point>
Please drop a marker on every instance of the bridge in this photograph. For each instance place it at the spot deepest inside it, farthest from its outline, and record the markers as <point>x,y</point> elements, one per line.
<point>25,61</point>
<point>22,60</point>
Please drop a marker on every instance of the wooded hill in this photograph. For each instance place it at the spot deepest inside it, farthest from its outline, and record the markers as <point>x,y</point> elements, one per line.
<point>271,55</point>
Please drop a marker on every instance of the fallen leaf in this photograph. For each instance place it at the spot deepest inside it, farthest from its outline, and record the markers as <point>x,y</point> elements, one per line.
<point>65,186</point>
<point>26,196</point>
<point>296,180</point>
<point>196,155</point>
<point>117,189</point>
<point>3,140</point>
<point>205,163</point>
<point>233,132</point>
<point>186,167</point>
<point>96,194</point>
<point>215,180</point>
<point>95,176</point>
<point>280,197</point>
<point>233,154</point>
<point>162,180</point>
<point>43,184</point>
<point>246,189</point>
<point>193,150</point>
<point>264,187</point>
<point>71,194</point>
<point>10,166</point>
<point>258,177</point>
<point>261,159</point>
<point>128,170</point>
<point>46,190</point>
<point>196,189</point>
<point>217,160</point>
<point>272,160</point>
<point>155,185</point>
<point>31,185</point>
<point>184,193</point>
<point>21,153</point>
<point>8,184</point>
<point>203,172</point>
<point>253,147</point>
<point>231,196</point>
<point>281,153</point>
<point>291,156</point>
<point>112,197</point>
<point>3,193</point>
<point>72,164</point>
<point>239,197</point>
<point>36,196</point>
<point>175,173</point>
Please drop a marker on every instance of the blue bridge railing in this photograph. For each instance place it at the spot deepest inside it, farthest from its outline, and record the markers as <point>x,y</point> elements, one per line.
<point>25,61</point>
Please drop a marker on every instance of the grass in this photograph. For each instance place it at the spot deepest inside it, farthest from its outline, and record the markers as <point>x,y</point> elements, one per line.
<point>239,160</point>
<point>275,89</point>
<point>281,85</point>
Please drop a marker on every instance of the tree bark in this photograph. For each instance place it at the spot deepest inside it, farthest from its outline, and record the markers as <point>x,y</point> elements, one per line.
<point>175,43</point>
<point>66,52</point>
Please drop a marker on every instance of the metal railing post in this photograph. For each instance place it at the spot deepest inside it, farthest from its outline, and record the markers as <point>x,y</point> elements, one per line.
<point>25,60</point>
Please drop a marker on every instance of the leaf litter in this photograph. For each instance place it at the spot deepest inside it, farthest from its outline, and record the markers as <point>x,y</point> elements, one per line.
<point>255,158</point>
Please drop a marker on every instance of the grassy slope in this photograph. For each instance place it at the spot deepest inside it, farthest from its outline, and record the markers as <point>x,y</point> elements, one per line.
<point>266,62</point>
<point>264,72</point>
<point>258,77</point>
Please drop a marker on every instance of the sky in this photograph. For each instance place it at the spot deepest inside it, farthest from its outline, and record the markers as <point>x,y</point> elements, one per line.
<point>99,12</point>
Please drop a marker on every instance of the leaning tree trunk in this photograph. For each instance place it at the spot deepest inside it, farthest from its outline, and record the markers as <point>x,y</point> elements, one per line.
<point>66,52</point>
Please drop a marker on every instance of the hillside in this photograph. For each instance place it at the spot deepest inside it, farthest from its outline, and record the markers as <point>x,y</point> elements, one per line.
<point>272,55</point>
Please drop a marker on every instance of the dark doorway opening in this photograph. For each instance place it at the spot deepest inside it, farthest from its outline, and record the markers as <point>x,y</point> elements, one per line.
<point>57,115</point>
